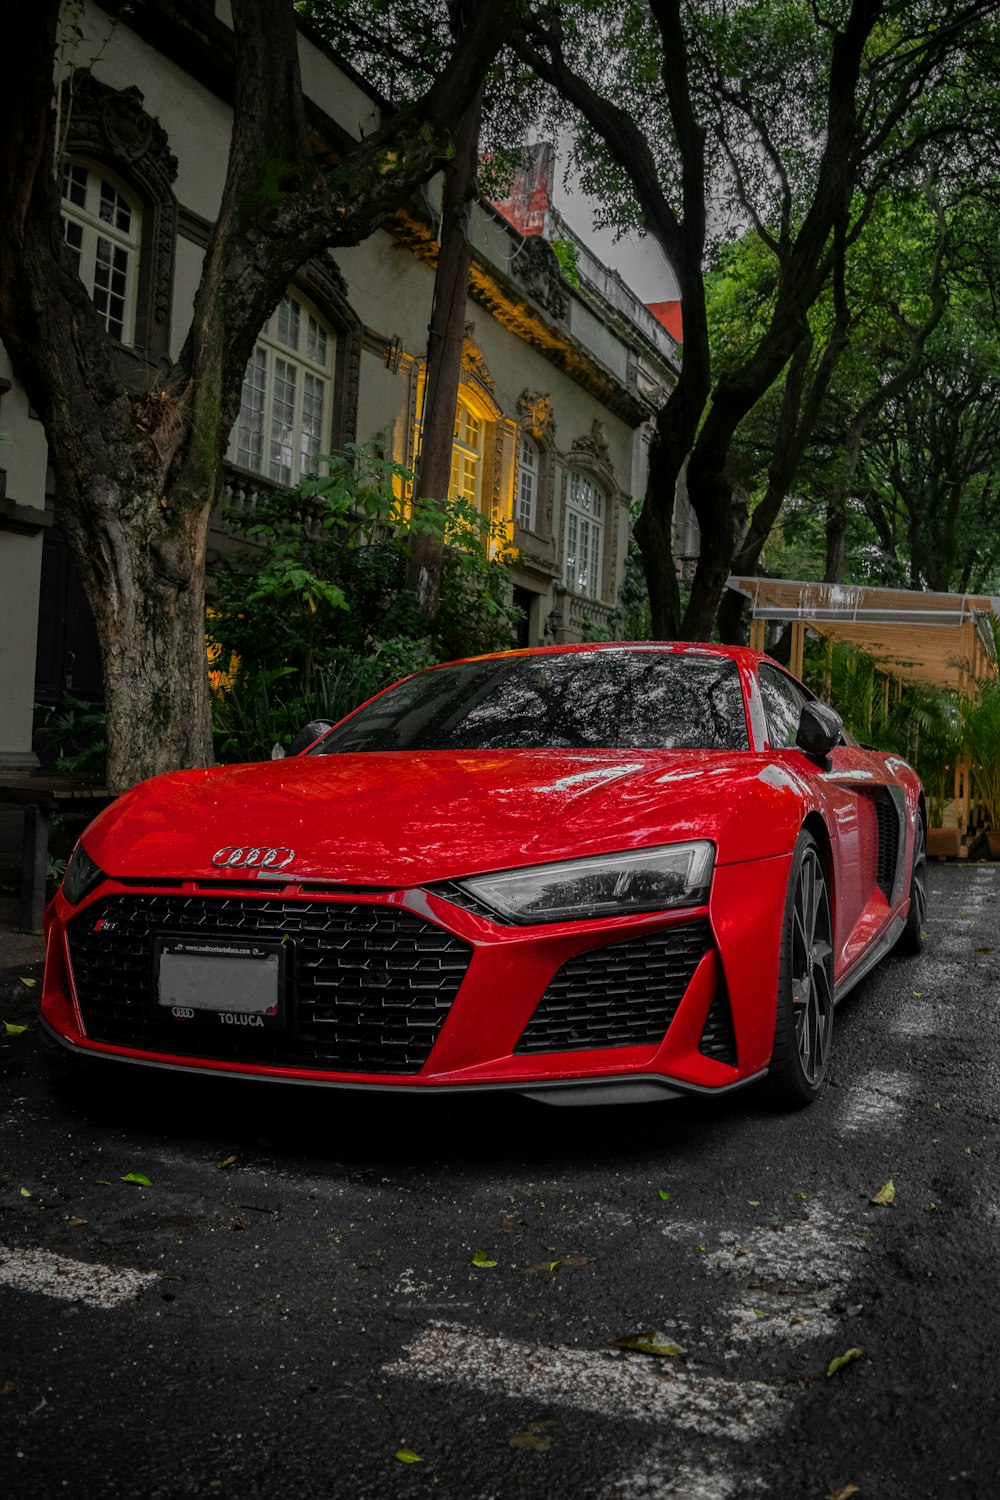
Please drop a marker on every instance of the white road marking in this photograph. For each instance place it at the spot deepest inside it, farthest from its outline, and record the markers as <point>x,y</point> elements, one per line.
<point>658,1477</point>
<point>795,1272</point>
<point>609,1384</point>
<point>876,1100</point>
<point>72,1280</point>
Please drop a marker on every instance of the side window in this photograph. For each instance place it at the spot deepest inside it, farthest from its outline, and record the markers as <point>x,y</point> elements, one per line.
<point>284,421</point>
<point>584,553</point>
<point>101,227</point>
<point>527,483</point>
<point>782,707</point>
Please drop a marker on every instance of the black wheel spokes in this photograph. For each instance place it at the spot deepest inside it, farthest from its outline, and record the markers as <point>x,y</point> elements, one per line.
<point>811,969</point>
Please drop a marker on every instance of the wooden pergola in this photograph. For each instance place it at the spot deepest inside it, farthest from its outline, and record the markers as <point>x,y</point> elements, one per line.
<point>940,640</point>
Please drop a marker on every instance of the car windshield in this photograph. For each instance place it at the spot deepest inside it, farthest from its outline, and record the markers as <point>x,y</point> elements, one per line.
<point>614,699</point>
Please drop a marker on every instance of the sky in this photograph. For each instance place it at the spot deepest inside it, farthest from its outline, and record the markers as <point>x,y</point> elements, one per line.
<point>636,257</point>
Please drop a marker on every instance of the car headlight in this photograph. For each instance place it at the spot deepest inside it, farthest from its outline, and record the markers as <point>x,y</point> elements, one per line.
<point>608,885</point>
<point>82,874</point>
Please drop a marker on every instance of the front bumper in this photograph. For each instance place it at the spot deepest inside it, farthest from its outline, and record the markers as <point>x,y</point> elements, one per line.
<point>406,990</point>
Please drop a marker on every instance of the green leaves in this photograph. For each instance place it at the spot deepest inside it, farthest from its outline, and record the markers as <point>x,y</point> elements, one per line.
<point>481,1260</point>
<point>848,1357</point>
<point>138,1179</point>
<point>886,1194</point>
<point>650,1342</point>
<point>407,1456</point>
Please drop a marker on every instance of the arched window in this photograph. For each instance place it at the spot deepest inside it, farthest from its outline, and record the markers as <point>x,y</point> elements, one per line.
<point>584,535</point>
<point>285,409</point>
<point>526,494</point>
<point>102,228</point>
<point>466,456</point>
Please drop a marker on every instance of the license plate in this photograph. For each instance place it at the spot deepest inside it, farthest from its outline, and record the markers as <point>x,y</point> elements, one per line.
<point>225,982</point>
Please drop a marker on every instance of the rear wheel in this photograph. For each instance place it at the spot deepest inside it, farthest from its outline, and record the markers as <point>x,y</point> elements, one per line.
<point>803,1030</point>
<point>911,939</point>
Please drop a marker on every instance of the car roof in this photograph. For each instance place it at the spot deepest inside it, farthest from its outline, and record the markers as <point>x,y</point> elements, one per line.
<point>742,655</point>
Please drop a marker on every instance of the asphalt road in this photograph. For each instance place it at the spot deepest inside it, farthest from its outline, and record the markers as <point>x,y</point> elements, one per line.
<point>292,1305</point>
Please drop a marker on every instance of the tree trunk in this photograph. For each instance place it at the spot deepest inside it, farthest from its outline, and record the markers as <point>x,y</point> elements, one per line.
<point>444,353</point>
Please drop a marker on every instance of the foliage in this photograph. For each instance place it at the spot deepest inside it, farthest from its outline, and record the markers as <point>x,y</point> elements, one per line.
<point>318,617</point>
<point>75,733</point>
<point>328,571</point>
<point>917,722</point>
<point>568,256</point>
<point>266,707</point>
<point>981,737</point>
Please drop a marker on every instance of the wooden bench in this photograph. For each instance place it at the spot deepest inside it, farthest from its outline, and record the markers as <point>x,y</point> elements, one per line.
<point>41,796</point>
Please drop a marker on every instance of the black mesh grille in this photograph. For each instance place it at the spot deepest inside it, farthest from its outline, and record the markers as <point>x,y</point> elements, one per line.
<point>888,844</point>
<point>622,996</point>
<point>718,1040</point>
<point>369,986</point>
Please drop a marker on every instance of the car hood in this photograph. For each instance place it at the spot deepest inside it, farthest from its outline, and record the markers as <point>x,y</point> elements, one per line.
<point>408,818</point>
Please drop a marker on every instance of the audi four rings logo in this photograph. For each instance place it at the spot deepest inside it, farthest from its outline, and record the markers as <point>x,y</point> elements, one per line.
<point>232,857</point>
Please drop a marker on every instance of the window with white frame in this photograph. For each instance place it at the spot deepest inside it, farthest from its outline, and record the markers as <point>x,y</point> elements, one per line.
<point>526,500</point>
<point>285,409</point>
<point>466,455</point>
<point>102,227</point>
<point>584,535</point>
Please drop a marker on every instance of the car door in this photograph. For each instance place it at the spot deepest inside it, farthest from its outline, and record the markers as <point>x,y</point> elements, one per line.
<point>848,788</point>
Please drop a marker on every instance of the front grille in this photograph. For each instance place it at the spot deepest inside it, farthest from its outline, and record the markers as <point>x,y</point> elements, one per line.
<point>368,989</point>
<point>625,995</point>
<point>887,820</point>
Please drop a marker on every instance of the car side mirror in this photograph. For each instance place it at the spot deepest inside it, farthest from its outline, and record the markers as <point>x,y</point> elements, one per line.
<point>308,733</point>
<point>819,730</point>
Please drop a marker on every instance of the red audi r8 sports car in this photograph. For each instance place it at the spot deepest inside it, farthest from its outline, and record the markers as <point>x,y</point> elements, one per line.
<point>585,873</point>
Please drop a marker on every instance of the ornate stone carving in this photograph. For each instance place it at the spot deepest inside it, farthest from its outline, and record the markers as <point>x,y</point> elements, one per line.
<point>474,362</point>
<point>536,268</point>
<point>535,413</point>
<point>595,443</point>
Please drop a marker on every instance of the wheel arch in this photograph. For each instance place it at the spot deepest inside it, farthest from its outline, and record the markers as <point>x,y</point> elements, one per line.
<point>814,824</point>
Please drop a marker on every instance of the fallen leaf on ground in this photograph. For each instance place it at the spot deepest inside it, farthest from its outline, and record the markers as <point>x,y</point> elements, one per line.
<point>664,1195</point>
<point>8,1388</point>
<point>75,1222</point>
<point>482,1260</point>
<point>25,1193</point>
<point>754,1202</point>
<point>847,1358</point>
<point>29,984</point>
<point>886,1193</point>
<point>534,1436</point>
<point>844,1493</point>
<point>407,1456</point>
<point>984,950</point>
<point>227,1161</point>
<point>650,1342</point>
<point>13,1029</point>
<point>138,1178</point>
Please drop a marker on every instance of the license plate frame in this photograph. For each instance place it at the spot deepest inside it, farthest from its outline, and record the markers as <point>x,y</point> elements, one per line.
<point>240,983</point>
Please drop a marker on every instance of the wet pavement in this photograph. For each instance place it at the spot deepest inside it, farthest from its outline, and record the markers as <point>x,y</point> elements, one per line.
<point>325,1295</point>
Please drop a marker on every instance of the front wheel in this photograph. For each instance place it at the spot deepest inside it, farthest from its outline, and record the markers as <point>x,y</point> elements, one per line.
<point>803,1029</point>
<point>911,939</point>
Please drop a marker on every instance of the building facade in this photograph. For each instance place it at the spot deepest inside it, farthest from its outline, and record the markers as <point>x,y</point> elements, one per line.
<point>560,378</point>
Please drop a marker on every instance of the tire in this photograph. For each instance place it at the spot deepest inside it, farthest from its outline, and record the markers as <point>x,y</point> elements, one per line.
<point>803,1029</point>
<point>911,939</point>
